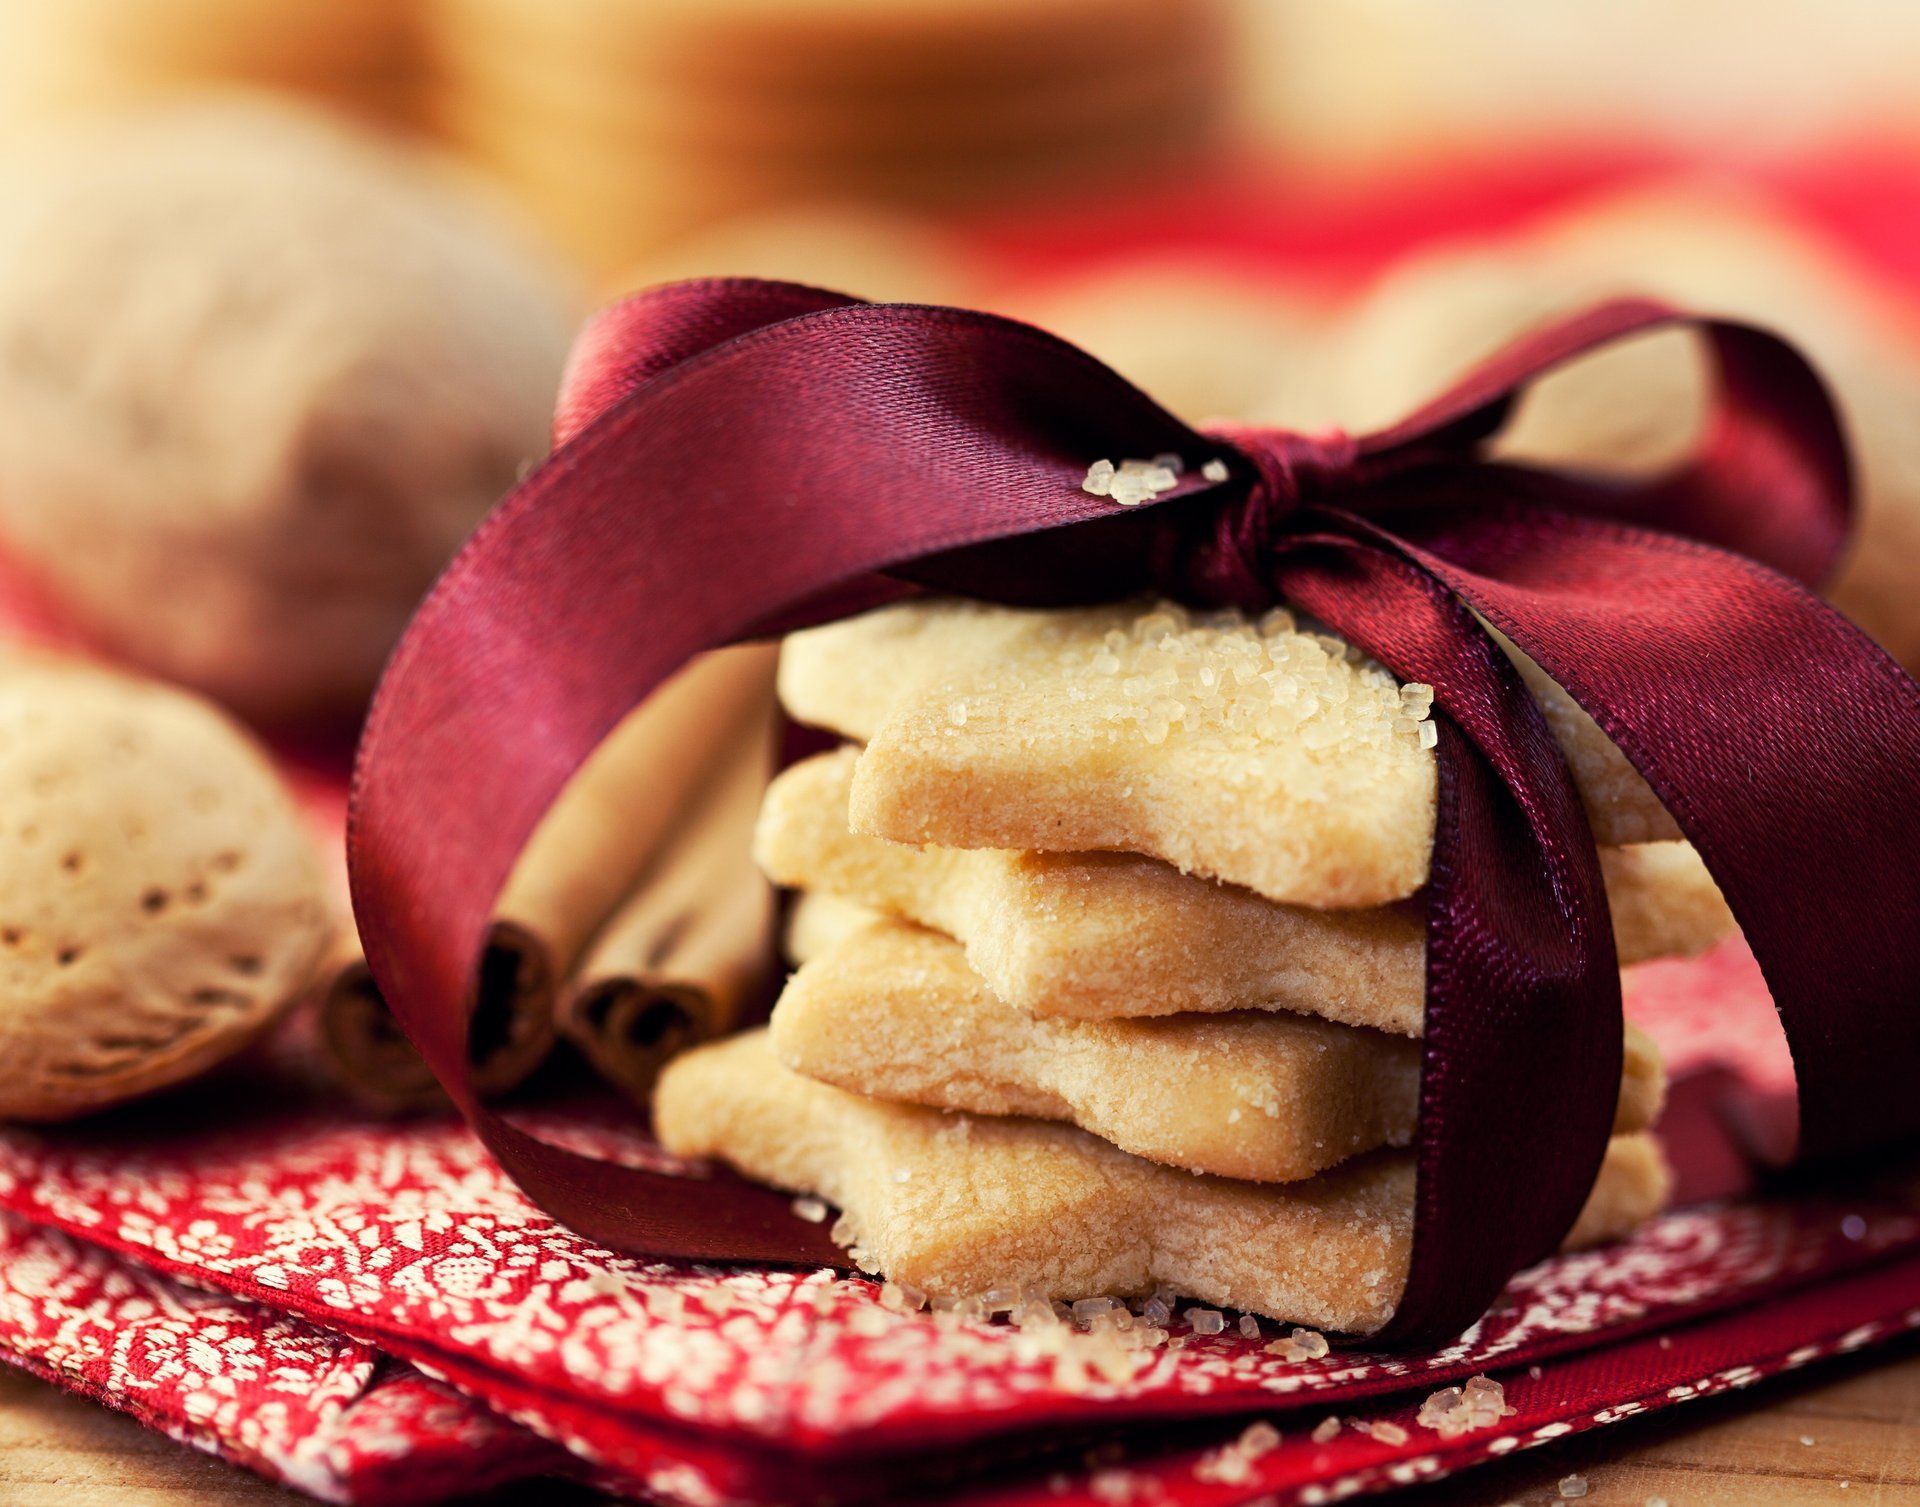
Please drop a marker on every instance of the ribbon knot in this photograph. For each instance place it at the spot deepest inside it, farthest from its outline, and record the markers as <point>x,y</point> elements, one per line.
<point>1293,468</point>
<point>1290,471</point>
<point>738,456</point>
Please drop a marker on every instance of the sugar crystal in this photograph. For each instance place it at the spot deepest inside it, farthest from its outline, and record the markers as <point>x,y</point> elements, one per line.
<point>902,1297</point>
<point>1232,1464</point>
<point>1214,470</point>
<point>1573,1486</point>
<point>1119,1487</point>
<point>1302,1344</point>
<point>1032,1314</point>
<point>810,1209</point>
<point>1453,1411</point>
<point>1326,1430</point>
<point>1205,1320</point>
<point>1133,481</point>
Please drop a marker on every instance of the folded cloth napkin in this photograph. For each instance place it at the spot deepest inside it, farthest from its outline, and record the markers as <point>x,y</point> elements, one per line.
<point>308,1407</point>
<point>244,1381</point>
<point>268,1276</point>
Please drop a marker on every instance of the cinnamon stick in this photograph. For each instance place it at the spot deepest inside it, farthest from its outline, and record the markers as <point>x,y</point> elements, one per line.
<point>690,946</point>
<point>586,857</point>
<point>370,1055</point>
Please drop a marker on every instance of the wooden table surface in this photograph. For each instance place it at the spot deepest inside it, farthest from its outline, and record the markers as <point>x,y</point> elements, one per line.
<point>1861,1416</point>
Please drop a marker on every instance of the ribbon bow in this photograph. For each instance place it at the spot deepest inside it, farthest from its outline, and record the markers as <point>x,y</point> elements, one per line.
<point>736,458</point>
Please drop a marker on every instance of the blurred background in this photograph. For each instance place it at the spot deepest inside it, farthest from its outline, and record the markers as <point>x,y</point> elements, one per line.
<point>287,290</point>
<point>1307,212</point>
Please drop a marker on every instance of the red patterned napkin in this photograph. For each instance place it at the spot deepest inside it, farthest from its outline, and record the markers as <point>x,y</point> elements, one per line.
<point>274,1280</point>
<point>298,1403</point>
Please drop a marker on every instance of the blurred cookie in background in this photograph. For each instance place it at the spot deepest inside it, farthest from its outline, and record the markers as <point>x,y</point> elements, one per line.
<point>1355,88</point>
<point>66,56</point>
<point>626,124</point>
<point>260,373</point>
<point>1205,340</point>
<point>1708,247</point>
<point>883,255</point>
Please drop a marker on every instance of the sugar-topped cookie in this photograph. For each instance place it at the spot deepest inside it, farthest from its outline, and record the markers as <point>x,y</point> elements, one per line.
<point>1118,934</point>
<point>959,1204</point>
<point>893,1011</point>
<point>1262,753</point>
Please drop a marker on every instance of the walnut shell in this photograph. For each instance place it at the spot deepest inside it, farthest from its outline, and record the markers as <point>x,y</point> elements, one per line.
<point>260,374</point>
<point>160,900</point>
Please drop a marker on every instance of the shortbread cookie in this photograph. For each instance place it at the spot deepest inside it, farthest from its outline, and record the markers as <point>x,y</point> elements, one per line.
<point>894,1012</point>
<point>1208,342</point>
<point>817,922</point>
<point>1262,754</point>
<point>161,902</point>
<point>821,922</point>
<point>1634,1184</point>
<point>882,254</point>
<point>1663,901</point>
<point>957,1204</point>
<point>1107,934</point>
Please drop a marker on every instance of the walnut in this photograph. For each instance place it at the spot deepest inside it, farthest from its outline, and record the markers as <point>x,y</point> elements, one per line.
<point>260,373</point>
<point>160,901</point>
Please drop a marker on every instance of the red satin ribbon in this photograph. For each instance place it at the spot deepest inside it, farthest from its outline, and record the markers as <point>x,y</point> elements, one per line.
<point>738,457</point>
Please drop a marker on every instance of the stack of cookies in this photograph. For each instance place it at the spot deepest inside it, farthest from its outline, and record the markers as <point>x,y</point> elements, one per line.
<point>1112,966</point>
<point>81,56</point>
<point>626,121</point>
